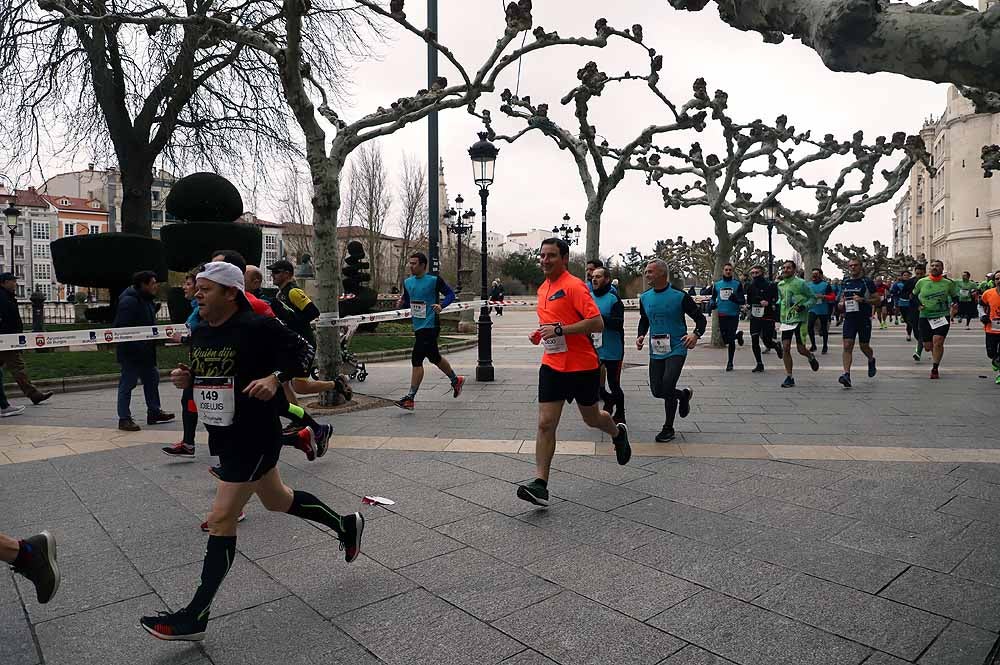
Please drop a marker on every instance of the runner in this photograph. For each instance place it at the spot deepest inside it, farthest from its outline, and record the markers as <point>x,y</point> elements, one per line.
<point>567,315</point>
<point>989,309</point>
<point>838,316</point>
<point>858,295</point>
<point>795,298</point>
<point>239,361</point>
<point>34,558</point>
<point>727,297</point>
<point>592,265</point>
<point>661,315</point>
<point>610,343</point>
<point>903,294</point>
<point>894,297</point>
<point>966,298</point>
<point>762,296</point>
<point>919,271</point>
<point>938,298</point>
<point>820,311</point>
<point>420,294</point>
<point>189,413</point>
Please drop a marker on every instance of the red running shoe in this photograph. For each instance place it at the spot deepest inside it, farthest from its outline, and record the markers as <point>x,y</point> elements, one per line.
<point>457,386</point>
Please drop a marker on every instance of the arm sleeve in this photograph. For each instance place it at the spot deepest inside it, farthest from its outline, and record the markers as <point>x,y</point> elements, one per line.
<point>405,297</point>
<point>712,304</point>
<point>293,354</point>
<point>694,312</point>
<point>307,310</point>
<point>616,319</point>
<point>740,297</point>
<point>643,320</point>
<point>445,290</point>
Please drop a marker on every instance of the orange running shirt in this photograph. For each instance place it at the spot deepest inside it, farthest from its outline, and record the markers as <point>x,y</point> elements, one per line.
<point>567,300</point>
<point>990,300</point>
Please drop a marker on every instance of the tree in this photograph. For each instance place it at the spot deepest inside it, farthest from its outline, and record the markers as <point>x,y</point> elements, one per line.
<point>368,201</point>
<point>875,263</point>
<point>523,266</point>
<point>411,217</point>
<point>295,213</point>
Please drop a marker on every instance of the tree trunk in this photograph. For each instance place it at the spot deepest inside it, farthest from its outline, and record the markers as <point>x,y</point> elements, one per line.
<point>137,202</point>
<point>810,247</point>
<point>595,209</point>
<point>326,207</point>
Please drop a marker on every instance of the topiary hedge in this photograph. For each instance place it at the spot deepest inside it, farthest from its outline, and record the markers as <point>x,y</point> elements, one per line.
<point>190,243</point>
<point>106,260</point>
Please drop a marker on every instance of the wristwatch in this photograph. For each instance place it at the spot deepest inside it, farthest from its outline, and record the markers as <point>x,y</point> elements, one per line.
<point>558,330</point>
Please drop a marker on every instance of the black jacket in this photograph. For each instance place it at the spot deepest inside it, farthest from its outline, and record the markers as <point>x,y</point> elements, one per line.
<point>762,289</point>
<point>135,308</point>
<point>10,316</point>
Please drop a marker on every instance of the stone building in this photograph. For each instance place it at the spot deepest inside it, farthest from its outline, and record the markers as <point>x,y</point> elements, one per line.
<point>38,225</point>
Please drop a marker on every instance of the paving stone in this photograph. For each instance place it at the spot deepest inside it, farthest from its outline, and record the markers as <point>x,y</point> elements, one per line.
<point>479,584</point>
<point>160,549</point>
<point>285,631</point>
<point>265,534</point>
<point>497,495</point>
<point>605,470</point>
<point>979,489</point>
<point>593,527</point>
<point>886,489</point>
<point>730,573</point>
<point>491,464</point>
<point>597,495</point>
<point>989,473</point>
<point>437,474</point>
<point>982,565</point>
<point>751,635</point>
<point>789,491</point>
<point>976,509</point>
<point>528,657</point>
<point>798,520</point>
<point>396,542</point>
<point>709,497</point>
<point>940,551</point>
<point>878,658</point>
<point>692,655</point>
<point>698,472</point>
<point>431,507</point>
<point>599,635</point>
<point>890,627</point>
<point>387,630</point>
<point>899,513</point>
<point>17,645</point>
<point>959,644</point>
<point>975,604</point>
<point>703,525</point>
<point>633,589</point>
<point>858,570</point>
<point>508,539</point>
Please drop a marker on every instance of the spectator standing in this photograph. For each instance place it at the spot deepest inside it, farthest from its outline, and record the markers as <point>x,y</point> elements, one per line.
<point>10,323</point>
<point>497,295</point>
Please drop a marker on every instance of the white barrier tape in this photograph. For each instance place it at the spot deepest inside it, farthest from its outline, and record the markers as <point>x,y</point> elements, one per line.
<point>49,340</point>
<point>329,320</point>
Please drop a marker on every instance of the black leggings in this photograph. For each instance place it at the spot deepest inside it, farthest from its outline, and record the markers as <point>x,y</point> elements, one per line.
<point>993,346</point>
<point>904,312</point>
<point>663,377</point>
<point>189,415</point>
<point>616,395</point>
<point>769,342</point>
<point>824,328</point>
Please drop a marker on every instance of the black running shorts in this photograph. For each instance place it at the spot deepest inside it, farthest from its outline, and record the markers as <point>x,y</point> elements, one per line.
<point>798,334</point>
<point>425,346</point>
<point>859,327</point>
<point>762,327</point>
<point>926,332</point>
<point>245,466</point>
<point>555,386</point>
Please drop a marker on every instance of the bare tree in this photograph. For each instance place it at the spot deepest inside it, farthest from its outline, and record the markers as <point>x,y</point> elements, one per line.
<point>875,263</point>
<point>295,212</point>
<point>411,218</point>
<point>368,200</point>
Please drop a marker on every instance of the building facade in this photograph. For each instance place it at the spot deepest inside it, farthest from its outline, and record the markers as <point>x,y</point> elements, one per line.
<point>30,259</point>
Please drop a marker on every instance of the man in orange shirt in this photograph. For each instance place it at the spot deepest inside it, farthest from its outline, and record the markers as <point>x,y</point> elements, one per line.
<point>567,315</point>
<point>989,314</point>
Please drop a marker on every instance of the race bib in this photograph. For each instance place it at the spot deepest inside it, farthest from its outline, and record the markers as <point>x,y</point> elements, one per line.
<point>785,327</point>
<point>660,345</point>
<point>939,322</point>
<point>215,398</point>
<point>724,294</point>
<point>757,311</point>
<point>963,292</point>
<point>851,305</point>
<point>598,339</point>
<point>418,310</point>
<point>555,344</point>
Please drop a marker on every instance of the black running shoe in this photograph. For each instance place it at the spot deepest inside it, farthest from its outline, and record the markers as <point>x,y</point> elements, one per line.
<point>684,403</point>
<point>729,367</point>
<point>216,471</point>
<point>179,449</point>
<point>41,567</point>
<point>826,350</point>
<point>405,403</point>
<point>350,539</point>
<point>757,369</point>
<point>533,492</point>
<point>739,337</point>
<point>666,434</point>
<point>916,357</point>
<point>322,439</point>
<point>181,626</point>
<point>789,382</point>
<point>812,347</point>
<point>845,380</point>
<point>871,367</point>
<point>813,363</point>
<point>623,451</point>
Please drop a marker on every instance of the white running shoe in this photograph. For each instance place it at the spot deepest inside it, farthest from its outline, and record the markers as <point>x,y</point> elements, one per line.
<point>11,411</point>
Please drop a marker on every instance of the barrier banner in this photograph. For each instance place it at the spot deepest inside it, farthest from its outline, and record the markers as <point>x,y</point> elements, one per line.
<point>63,338</point>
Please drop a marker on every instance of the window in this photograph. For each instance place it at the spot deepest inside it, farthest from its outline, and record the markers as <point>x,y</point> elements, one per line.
<point>156,196</point>
<point>95,205</point>
<point>19,270</point>
<point>40,230</point>
<point>1,250</point>
<point>45,290</point>
<point>40,251</point>
<point>69,229</point>
<point>20,290</point>
<point>95,228</point>
<point>43,272</point>
<point>18,251</point>
<point>64,202</point>
<point>271,242</point>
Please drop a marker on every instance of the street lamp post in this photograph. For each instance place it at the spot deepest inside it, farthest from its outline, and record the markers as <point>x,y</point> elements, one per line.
<point>484,156</point>
<point>566,232</point>
<point>459,224</point>
<point>770,214</point>
<point>11,213</point>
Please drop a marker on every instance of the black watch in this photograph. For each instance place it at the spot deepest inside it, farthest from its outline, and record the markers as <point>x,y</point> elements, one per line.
<point>558,330</point>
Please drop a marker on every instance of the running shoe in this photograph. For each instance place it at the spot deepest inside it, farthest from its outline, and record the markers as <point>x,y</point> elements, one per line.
<point>872,371</point>
<point>305,441</point>
<point>997,380</point>
<point>241,518</point>
<point>666,434</point>
<point>179,449</point>
<point>322,436</point>
<point>623,451</point>
<point>729,367</point>
<point>181,626</point>
<point>739,337</point>
<point>533,492</point>
<point>812,347</point>
<point>845,380</point>
<point>909,339</point>
<point>916,357</point>
<point>291,428</point>
<point>813,363</point>
<point>789,382</point>
<point>684,403</point>
<point>826,349</point>
<point>934,374</point>
<point>757,369</point>
<point>996,366</point>
<point>40,397</point>
<point>11,411</point>
<point>40,566</point>
<point>350,539</point>
<point>216,471</point>
<point>159,417</point>
<point>780,352</point>
<point>405,403</point>
<point>456,386</point>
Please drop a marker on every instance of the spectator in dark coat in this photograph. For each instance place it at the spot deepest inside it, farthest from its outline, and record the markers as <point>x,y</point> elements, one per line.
<point>11,324</point>
<point>136,307</point>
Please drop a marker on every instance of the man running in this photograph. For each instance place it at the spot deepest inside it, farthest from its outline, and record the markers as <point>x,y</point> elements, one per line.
<point>820,311</point>
<point>938,298</point>
<point>881,308</point>
<point>238,362</point>
<point>989,309</point>
<point>661,316</point>
<point>34,558</point>
<point>966,298</point>
<point>610,344</point>
<point>858,295</point>
<point>420,294</point>
<point>904,291</point>
<point>919,271</point>
<point>567,315</point>
<point>795,298</point>
<point>592,265</point>
<point>727,297</point>
<point>762,297</point>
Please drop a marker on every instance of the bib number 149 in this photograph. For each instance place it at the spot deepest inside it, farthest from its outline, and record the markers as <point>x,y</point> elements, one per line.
<point>215,398</point>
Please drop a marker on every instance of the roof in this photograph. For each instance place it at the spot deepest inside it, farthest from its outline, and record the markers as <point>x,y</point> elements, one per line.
<point>29,198</point>
<point>250,218</point>
<point>359,232</point>
<point>75,204</point>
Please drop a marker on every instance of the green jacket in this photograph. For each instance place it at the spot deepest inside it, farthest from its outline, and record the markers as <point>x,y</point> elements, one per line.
<point>795,298</point>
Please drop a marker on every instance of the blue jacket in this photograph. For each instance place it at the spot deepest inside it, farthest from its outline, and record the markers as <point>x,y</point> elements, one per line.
<point>135,309</point>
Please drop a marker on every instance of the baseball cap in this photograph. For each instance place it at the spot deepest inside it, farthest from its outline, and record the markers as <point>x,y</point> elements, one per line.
<point>281,265</point>
<point>224,274</point>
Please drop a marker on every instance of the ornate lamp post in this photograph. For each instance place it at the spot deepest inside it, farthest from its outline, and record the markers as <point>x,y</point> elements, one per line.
<point>11,213</point>
<point>484,156</point>
<point>566,232</point>
<point>459,224</point>
<point>770,214</point>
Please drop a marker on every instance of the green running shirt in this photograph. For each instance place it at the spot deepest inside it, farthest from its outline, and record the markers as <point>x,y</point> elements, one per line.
<point>935,297</point>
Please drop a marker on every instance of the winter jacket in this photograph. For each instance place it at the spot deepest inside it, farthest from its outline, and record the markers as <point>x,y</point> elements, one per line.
<point>135,308</point>
<point>10,316</point>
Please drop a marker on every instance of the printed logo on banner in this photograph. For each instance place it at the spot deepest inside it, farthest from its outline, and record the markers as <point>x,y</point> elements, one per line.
<point>168,331</point>
<point>93,335</point>
<point>109,336</point>
<point>156,331</point>
<point>22,340</point>
<point>39,340</point>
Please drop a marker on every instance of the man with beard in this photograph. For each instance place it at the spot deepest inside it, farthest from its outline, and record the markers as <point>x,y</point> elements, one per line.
<point>762,297</point>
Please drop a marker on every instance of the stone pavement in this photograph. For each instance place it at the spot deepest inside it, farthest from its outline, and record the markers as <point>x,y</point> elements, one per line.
<point>676,559</point>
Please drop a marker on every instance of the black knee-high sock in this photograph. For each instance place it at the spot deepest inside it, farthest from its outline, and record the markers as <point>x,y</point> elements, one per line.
<point>755,345</point>
<point>732,351</point>
<point>190,422</point>
<point>308,507</point>
<point>297,414</point>
<point>218,559</point>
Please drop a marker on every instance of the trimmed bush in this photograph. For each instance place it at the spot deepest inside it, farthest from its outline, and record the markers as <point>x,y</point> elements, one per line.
<point>106,260</point>
<point>178,305</point>
<point>188,244</point>
<point>204,197</point>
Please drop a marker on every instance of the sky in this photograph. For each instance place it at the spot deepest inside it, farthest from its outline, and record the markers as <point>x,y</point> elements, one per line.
<point>536,184</point>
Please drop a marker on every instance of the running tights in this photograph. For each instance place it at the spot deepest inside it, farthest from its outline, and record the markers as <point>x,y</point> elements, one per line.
<point>663,376</point>
<point>616,395</point>
<point>769,342</point>
<point>824,328</point>
<point>904,312</point>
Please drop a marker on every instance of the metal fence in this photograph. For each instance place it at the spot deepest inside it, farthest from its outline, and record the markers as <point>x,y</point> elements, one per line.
<point>63,312</point>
